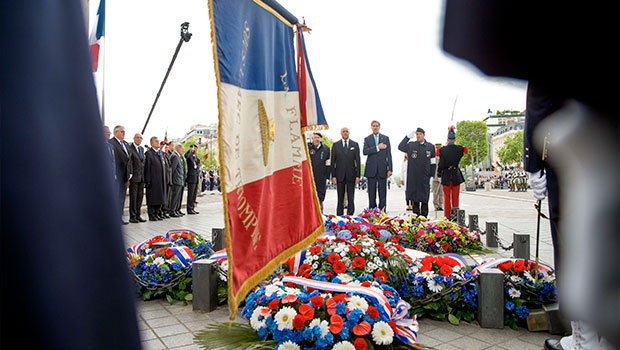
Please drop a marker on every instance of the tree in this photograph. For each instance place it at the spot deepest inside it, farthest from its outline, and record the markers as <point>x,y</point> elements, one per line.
<point>512,150</point>
<point>473,135</point>
<point>202,150</point>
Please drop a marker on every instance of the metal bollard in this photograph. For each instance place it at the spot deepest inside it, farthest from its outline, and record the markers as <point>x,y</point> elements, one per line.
<point>473,222</point>
<point>491,231</point>
<point>204,280</point>
<point>218,238</point>
<point>491,299</point>
<point>521,248</point>
<point>460,219</point>
<point>454,213</point>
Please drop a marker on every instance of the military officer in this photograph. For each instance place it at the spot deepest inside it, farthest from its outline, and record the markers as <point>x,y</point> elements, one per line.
<point>420,166</point>
<point>319,158</point>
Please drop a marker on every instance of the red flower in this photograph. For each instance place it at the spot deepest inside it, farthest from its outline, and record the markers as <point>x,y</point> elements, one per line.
<point>366,284</point>
<point>339,267</point>
<point>428,260</point>
<point>362,329</point>
<point>505,266</point>
<point>335,325</point>
<point>306,311</point>
<point>340,297</point>
<point>373,312</point>
<point>439,260</point>
<point>450,261</point>
<point>379,243</point>
<point>360,344</point>
<point>355,248</point>
<point>169,253</point>
<point>381,275</point>
<point>519,265</point>
<point>359,262</point>
<point>399,248</point>
<point>446,270</point>
<point>304,269</point>
<point>425,267</point>
<point>333,257</point>
<point>274,304</point>
<point>184,235</point>
<point>331,306</point>
<point>317,301</point>
<point>291,298</point>
<point>445,247</point>
<point>315,249</point>
<point>384,252</point>
<point>298,322</point>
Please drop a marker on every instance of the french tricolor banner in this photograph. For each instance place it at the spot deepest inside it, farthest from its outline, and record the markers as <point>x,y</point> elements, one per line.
<point>270,206</point>
<point>311,110</point>
<point>96,35</point>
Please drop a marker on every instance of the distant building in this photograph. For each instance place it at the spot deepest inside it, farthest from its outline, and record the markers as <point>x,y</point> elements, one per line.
<point>205,136</point>
<point>497,138</point>
<point>498,121</point>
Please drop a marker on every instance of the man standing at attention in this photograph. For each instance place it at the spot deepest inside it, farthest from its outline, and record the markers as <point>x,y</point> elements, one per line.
<point>177,163</point>
<point>448,169</point>
<point>420,164</point>
<point>378,165</point>
<point>437,189</point>
<point>123,166</point>
<point>319,156</point>
<point>192,178</point>
<point>136,184</point>
<point>155,180</point>
<point>346,170</point>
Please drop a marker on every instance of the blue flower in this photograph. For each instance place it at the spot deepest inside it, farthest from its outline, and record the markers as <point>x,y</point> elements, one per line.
<point>345,234</point>
<point>418,290</point>
<point>341,308</point>
<point>384,235</point>
<point>263,333</point>
<point>522,312</point>
<point>510,306</point>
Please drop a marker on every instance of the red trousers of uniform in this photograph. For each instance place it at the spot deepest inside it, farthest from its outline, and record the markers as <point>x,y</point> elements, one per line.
<point>450,198</point>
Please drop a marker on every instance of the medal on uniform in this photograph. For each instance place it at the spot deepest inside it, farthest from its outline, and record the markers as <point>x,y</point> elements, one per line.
<point>312,152</point>
<point>414,154</point>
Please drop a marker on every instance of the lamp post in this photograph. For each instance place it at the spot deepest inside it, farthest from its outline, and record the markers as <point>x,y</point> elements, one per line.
<point>477,135</point>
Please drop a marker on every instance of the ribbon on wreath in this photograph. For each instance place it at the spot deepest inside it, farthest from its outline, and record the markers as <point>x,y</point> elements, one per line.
<point>179,232</point>
<point>404,328</point>
<point>183,253</point>
<point>219,255</point>
<point>136,248</point>
<point>496,262</point>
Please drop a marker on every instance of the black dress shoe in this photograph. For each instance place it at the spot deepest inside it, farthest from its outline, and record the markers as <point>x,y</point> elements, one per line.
<point>154,218</point>
<point>180,213</point>
<point>134,221</point>
<point>174,215</point>
<point>553,344</point>
<point>141,219</point>
<point>191,212</point>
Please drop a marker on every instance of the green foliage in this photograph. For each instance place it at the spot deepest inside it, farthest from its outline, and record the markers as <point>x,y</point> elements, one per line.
<point>327,141</point>
<point>229,336</point>
<point>467,133</point>
<point>512,150</point>
<point>202,150</point>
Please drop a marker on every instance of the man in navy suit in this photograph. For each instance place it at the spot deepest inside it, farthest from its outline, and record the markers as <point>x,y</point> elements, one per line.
<point>123,165</point>
<point>378,165</point>
<point>345,170</point>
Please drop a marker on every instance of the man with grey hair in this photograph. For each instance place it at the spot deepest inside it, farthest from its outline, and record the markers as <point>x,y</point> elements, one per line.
<point>136,184</point>
<point>123,165</point>
<point>177,163</point>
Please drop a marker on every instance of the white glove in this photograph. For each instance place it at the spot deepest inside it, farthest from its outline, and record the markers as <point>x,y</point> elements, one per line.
<point>538,182</point>
<point>411,135</point>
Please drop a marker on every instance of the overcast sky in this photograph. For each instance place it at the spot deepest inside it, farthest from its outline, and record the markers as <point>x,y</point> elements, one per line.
<point>370,60</point>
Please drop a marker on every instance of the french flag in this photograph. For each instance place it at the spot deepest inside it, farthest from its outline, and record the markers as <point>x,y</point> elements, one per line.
<point>96,35</point>
<point>309,102</point>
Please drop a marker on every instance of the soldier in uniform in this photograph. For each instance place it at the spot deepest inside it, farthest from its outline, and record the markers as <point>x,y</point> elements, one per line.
<point>448,169</point>
<point>437,190</point>
<point>420,167</point>
<point>319,158</point>
<point>192,178</point>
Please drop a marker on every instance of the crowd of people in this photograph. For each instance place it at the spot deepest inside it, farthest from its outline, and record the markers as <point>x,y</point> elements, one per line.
<point>165,170</point>
<point>424,161</point>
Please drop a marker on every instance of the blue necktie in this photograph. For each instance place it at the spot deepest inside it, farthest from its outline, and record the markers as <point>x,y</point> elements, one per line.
<point>376,140</point>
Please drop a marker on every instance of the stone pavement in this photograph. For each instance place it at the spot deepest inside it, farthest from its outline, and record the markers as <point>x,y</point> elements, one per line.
<point>166,326</point>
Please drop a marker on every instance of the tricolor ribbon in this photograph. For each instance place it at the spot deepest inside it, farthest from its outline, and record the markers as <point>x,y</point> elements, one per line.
<point>219,255</point>
<point>496,262</point>
<point>183,253</point>
<point>404,328</point>
<point>136,248</point>
<point>458,258</point>
<point>179,232</point>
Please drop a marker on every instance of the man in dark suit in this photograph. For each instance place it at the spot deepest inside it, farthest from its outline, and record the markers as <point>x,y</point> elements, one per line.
<point>345,170</point>
<point>155,180</point>
<point>193,164</point>
<point>123,166</point>
<point>136,184</point>
<point>177,163</point>
<point>378,165</point>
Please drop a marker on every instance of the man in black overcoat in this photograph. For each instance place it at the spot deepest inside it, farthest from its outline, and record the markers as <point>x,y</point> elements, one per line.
<point>136,184</point>
<point>155,180</point>
<point>123,165</point>
<point>346,170</point>
<point>319,156</point>
<point>193,165</point>
<point>420,168</point>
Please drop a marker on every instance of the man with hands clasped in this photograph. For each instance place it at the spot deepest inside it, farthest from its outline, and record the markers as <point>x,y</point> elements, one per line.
<point>346,170</point>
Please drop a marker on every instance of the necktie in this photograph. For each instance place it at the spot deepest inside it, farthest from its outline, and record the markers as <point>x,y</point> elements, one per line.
<point>346,145</point>
<point>376,140</point>
<point>141,153</point>
<point>124,148</point>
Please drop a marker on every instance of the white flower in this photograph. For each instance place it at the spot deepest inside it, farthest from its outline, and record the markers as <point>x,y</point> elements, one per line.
<point>456,268</point>
<point>382,333</point>
<point>308,261</point>
<point>284,318</point>
<point>159,260</point>
<point>315,257</point>
<point>343,345</point>
<point>288,345</point>
<point>294,291</point>
<point>323,325</point>
<point>254,322</point>
<point>270,289</point>
<point>429,275</point>
<point>356,302</point>
<point>415,269</point>
<point>434,286</point>
<point>355,283</point>
<point>529,276</point>
<point>515,279</point>
<point>345,277</point>
<point>315,266</point>
<point>513,293</point>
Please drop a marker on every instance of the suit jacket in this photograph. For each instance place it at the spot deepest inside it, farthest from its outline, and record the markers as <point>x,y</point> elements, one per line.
<point>177,163</point>
<point>379,162</point>
<point>193,165</point>
<point>137,163</point>
<point>345,163</point>
<point>155,177</point>
<point>123,165</point>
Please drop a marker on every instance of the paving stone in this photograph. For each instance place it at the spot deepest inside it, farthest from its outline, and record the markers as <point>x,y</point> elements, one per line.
<point>520,345</point>
<point>446,347</point>
<point>142,325</point>
<point>463,328</point>
<point>162,322</point>
<point>147,334</point>
<point>178,340</point>
<point>426,340</point>
<point>192,316</point>
<point>537,338</point>
<point>494,336</point>
<point>443,334</point>
<point>147,315</point>
<point>196,326</point>
<point>469,343</point>
<point>153,344</point>
<point>188,347</point>
<point>170,330</point>
<point>152,305</point>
